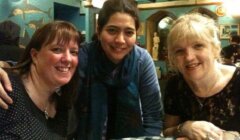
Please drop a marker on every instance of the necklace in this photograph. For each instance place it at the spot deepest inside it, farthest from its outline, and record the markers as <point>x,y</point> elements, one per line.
<point>46,113</point>
<point>201,102</point>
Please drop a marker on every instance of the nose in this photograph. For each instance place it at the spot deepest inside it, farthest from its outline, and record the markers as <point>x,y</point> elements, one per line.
<point>120,38</point>
<point>189,55</point>
<point>66,57</point>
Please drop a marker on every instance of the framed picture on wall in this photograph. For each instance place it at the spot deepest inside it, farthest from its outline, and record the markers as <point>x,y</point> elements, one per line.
<point>228,29</point>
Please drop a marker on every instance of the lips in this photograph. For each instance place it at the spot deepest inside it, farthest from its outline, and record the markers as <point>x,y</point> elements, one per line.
<point>63,69</point>
<point>192,65</point>
<point>117,49</point>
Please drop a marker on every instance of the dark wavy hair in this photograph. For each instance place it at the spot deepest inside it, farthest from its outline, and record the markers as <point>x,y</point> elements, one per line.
<point>111,7</point>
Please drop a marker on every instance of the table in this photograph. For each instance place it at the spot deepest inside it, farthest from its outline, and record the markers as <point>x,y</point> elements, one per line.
<point>148,138</point>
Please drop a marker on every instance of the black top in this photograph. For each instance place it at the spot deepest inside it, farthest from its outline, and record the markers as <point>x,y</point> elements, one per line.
<point>23,120</point>
<point>222,109</point>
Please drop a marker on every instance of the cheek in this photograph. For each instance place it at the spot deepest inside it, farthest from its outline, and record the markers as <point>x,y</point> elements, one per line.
<point>51,59</point>
<point>132,39</point>
<point>176,60</point>
<point>178,63</point>
<point>75,61</point>
<point>105,38</point>
<point>131,42</point>
<point>45,58</point>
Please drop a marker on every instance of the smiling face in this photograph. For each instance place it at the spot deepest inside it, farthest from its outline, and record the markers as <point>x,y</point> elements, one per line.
<point>194,59</point>
<point>118,36</point>
<point>193,46</point>
<point>55,63</point>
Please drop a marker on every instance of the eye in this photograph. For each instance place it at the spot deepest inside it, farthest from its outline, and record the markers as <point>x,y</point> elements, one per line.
<point>198,46</point>
<point>74,52</point>
<point>129,33</point>
<point>57,50</point>
<point>179,51</point>
<point>112,31</point>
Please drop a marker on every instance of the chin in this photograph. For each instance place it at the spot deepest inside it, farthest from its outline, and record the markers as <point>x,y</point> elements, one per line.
<point>63,81</point>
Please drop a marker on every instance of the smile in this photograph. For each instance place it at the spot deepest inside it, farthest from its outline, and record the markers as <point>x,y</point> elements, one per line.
<point>192,65</point>
<point>117,49</point>
<point>63,69</point>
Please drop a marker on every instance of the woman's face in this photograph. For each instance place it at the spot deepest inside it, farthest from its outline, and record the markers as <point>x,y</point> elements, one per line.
<point>194,59</point>
<point>118,36</point>
<point>55,63</point>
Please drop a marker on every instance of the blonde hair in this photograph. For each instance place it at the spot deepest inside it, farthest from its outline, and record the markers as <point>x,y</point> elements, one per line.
<point>190,27</point>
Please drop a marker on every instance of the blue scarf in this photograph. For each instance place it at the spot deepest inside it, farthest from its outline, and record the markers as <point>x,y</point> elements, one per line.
<point>112,96</point>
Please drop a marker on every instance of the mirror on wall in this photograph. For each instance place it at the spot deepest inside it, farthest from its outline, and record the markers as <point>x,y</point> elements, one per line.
<point>163,28</point>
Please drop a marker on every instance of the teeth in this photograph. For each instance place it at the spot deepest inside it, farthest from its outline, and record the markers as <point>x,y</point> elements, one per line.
<point>191,65</point>
<point>118,49</point>
<point>63,69</point>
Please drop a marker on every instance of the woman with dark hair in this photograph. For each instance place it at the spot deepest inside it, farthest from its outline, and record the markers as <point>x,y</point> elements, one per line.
<point>44,85</point>
<point>120,94</point>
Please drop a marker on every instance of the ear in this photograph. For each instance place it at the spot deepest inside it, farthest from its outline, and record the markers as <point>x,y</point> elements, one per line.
<point>34,54</point>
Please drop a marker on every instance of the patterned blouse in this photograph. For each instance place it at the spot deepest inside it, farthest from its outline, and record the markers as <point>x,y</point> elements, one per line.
<point>24,121</point>
<point>222,109</point>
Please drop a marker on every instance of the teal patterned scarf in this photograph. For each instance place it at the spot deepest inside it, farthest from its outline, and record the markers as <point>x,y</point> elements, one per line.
<point>113,96</point>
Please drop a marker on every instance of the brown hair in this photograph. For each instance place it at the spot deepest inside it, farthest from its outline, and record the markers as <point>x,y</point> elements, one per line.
<point>64,32</point>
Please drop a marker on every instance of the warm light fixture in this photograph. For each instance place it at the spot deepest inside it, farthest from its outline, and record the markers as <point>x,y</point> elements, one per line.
<point>232,7</point>
<point>221,11</point>
<point>98,3</point>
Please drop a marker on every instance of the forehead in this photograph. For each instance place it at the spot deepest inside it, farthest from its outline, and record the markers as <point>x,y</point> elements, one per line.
<point>121,20</point>
<point>184,42</point>
<point>62,43</point>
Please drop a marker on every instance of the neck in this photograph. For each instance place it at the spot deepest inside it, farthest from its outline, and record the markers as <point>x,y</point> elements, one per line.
<point>40,93</point>
<point>207,86</point>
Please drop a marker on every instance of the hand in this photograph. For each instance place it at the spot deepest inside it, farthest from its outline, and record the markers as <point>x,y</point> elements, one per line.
<point>4,64</point>
<point>4,81</point>
<point>202,130</point>
<point>230,135</point>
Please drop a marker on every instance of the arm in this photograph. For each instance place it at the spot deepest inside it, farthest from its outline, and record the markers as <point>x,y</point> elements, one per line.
<point>190,129</point>
<point>150,97</point>
<point>5,85</point>
<point>174,125</point>
<point>171,127</point>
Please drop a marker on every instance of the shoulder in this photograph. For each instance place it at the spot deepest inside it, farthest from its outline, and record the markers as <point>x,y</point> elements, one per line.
<point>228,71</point>
<point>17,93</point>
<point>144,61</point>
<point>230,74</point>
<point>83,55</point>
<point>175,83</point>
<point>142,54</point>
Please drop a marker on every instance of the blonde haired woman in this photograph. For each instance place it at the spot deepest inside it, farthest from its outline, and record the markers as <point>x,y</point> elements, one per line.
<point>202,101</point>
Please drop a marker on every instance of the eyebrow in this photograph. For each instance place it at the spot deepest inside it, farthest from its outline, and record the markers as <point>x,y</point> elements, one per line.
<point>114,26</point>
